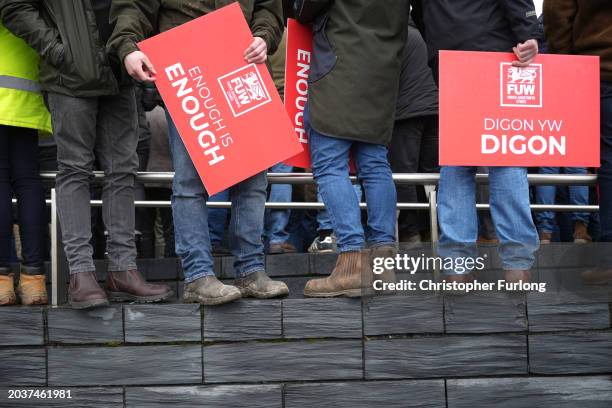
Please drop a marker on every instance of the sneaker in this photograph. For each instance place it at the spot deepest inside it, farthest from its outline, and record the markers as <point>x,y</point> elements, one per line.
<point>545,237</point>
<point>581,233</point>
<point>323,244</point>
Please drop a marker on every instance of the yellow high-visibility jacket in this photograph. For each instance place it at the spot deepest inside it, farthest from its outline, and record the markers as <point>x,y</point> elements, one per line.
<point>21,101</point>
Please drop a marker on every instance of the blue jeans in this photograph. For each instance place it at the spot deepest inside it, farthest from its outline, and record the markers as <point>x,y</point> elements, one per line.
<point>330,166</point>
<point>578,195</point>
<point>509,200</point>
<point>605,172</point>
<point>323,220</point>
<point>191,217</point>
<point>276,220</point>
<point>217,217</point>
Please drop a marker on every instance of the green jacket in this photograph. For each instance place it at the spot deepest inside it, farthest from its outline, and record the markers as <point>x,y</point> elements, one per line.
<point>65,35</point>
<point>355,66</point>
<point>21,103</point>
<point>136,20</point>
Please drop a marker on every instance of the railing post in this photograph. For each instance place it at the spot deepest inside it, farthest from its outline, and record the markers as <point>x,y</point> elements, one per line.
<point>54,250</point>
<point>433,215</point>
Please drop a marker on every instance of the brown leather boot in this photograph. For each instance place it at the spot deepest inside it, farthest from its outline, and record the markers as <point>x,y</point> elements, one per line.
<point>545,237</point>
<point>581,233</point>
<point>32,289</point>
<point>597,276</point>
<point>388,275</point>
<point>84,291</point>
<point>7,288</point>
<point>345,279</point>
<point>132,287</point>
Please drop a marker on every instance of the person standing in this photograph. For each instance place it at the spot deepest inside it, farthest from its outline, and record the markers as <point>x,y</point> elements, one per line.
<point>584,27</point>
<point>93,110</point>
<point>483,25</point>
<point>22,115</point>
<point>135,20</point>
<point>414,145</point>
<point>353,88</point>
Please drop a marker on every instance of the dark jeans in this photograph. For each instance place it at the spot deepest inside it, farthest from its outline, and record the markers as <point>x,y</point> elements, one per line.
<point>86,129</point>
<point>605,172</point>
<point>19,174</point>
<point>414,149</point>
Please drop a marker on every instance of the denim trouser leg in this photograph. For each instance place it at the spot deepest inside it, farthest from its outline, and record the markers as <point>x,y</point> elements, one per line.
<point>323,221</point>
<point>246,224</point>
<point>192,239</point>
<point>545,220</point>
<point>457,213</point>
<point>106,126</point>
<point>375,175</point>
<point>509,199</point>
<point>276,220</point>
<point>217,217</point>
<point>578,195</point>
<point>605,172</point>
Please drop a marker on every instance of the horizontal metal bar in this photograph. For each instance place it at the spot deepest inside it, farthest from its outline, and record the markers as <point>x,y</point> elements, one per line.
<point>321,206</point>
<point>399,178</point>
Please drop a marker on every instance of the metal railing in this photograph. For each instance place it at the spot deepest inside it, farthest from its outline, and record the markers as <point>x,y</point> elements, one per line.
<point>424,179</point>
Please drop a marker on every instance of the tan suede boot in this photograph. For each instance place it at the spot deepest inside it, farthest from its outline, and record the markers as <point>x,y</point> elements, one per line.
<point>31,288</point>
<point>345,279</point>
<point>7,290</point>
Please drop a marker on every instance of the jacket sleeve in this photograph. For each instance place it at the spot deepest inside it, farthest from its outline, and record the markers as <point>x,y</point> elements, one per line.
<point>23,18</point>
<point>134,20</point>
<point>559,24</point>
<point>522,17</point>
<point>307,10</point>
<point>268,22</point>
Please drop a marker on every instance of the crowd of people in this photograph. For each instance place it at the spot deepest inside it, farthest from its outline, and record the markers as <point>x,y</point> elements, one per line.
<point>77,95</point>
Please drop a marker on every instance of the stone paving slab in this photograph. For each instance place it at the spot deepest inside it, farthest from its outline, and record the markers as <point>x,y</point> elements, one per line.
<point>309,318</point>
<point>557,392</point>
<point>446,356</point>
<point>571,353</point>
<point>162,323</point>
<point>79,398</point>
<point>21,326</point>
<point>100,325</point>
<point>22,366</point>
<point>403,315</point>
<point>230,396</point>
<point>485,313</point>
<point>243,320</point>
<point>133,365</point>
<point>283,361</point>
<point>387,394</point>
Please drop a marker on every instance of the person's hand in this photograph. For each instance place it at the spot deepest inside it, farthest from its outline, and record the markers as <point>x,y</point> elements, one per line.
<point>139,67</point>
<point>525,53</point>
<point>257,53</point>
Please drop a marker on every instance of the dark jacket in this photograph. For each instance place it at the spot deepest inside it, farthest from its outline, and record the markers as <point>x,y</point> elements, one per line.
<point>581,27</point>
<point>136,20</point>
<point>355,66</point>
<point>74,60</point>
<point>474,25</point>
<point>418,93</point>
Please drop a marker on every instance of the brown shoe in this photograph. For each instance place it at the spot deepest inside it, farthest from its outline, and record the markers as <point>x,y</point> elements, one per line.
<point>388,275</point>
<point>345,279</point>
<point>581,233</point>
<point>518,275</point>
<point>283,248</point>
<point>32,289</point>
<point>130,286</point>
<point>597,276</point>
<point>7,288</point>
<point>85,292</point>
<point>545,237</point>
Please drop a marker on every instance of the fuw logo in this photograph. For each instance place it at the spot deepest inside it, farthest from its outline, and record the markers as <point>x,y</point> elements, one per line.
<point>521,86</point>
<point>244,90</point>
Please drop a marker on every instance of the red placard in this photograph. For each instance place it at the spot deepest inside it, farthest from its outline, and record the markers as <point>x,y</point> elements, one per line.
<point>494,114</point>
<point>228,112</point>
<point>297,69</point>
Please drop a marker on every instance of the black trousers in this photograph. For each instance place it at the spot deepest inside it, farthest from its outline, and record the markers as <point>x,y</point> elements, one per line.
<point>414,149</point>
